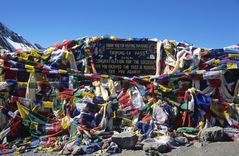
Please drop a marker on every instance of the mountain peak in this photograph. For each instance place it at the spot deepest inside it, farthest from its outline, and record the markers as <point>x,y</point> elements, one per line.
<point>11,41</point>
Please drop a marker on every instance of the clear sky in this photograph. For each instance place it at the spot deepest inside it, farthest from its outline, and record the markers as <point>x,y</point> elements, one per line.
<point>206,23</point>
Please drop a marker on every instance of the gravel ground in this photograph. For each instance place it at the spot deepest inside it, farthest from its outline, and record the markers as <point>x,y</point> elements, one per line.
<point>212,149</point>
<point>207,149</point>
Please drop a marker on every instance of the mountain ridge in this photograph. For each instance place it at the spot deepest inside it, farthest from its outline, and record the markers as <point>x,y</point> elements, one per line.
<point>11,41</point>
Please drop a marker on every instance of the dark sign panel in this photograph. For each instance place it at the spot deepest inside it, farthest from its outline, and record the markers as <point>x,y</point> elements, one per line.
<point>124,57</point>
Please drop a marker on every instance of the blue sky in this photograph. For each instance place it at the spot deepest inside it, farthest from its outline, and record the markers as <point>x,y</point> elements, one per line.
<point>206,23</point>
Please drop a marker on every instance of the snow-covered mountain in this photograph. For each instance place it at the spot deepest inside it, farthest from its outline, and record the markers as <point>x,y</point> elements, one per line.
<point>11,41</point>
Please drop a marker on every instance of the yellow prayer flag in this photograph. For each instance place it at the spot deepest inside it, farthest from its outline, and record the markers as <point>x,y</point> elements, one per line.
<point>24,111</point>
<point>232,66</point>
<point>48,104</point>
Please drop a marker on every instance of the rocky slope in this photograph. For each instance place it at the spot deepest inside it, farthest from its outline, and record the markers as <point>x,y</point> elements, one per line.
<point>11,41</point>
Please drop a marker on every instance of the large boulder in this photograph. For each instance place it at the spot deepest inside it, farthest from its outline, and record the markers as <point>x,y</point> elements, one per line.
<point>177,142</point>
<point>211,134</point>
<point>125,140</point>
<point>154,147</point>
